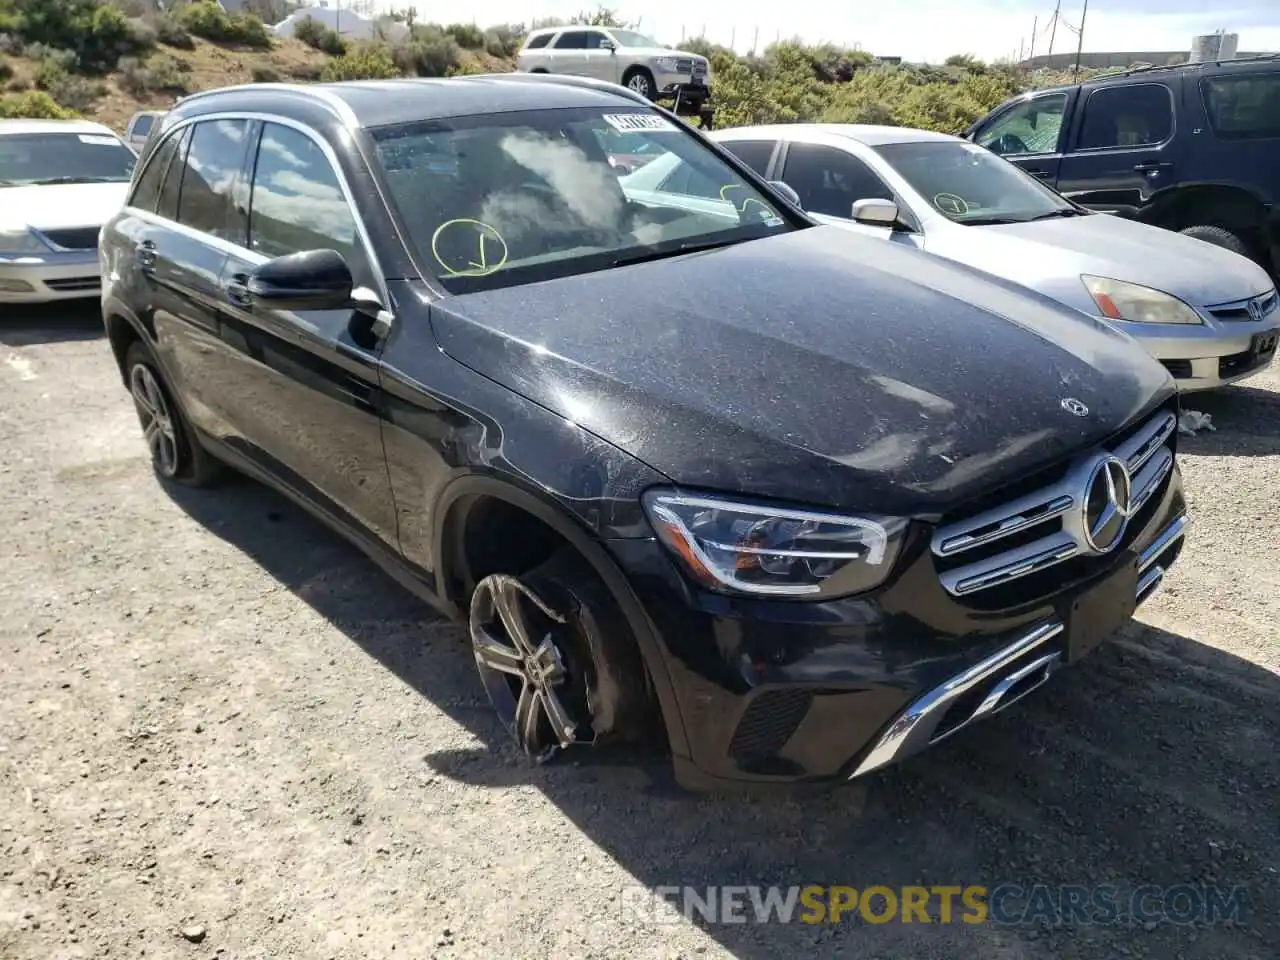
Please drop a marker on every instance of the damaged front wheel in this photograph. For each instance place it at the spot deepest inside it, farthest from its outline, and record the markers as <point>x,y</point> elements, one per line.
<point>556,658</point>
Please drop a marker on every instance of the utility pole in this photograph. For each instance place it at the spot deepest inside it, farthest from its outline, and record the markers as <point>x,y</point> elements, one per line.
<point>1034,23</point>
<point>733,39</point>
<point>1021,44</point>
<point>1053,29</point>
<point>1080,44</point>
<point>755,39</point>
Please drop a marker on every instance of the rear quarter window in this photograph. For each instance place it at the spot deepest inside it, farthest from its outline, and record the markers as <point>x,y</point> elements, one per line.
<point>1243,107</point>
<point>535,43</point>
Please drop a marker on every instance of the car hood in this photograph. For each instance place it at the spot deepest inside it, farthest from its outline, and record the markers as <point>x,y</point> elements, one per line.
<point>59,205</point>
<point>1050,256</point>
<point>812,366</point>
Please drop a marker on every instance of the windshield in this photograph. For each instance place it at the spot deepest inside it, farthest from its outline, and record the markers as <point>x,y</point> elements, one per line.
<point>629,38</point>
<point>514,198</point>
<point>33,158</point>
<point>969,184</point>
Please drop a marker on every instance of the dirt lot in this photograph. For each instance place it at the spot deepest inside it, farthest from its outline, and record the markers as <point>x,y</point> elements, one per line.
<point>217,718</point>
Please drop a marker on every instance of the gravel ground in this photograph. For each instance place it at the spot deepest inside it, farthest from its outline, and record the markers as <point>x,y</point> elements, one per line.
<point>223,734</point>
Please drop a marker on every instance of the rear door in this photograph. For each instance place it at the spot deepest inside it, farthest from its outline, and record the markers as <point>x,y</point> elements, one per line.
<point>568,52</point>
<point>1124,146</point>
<point>305,400</point>
<point>1030,132</point>
<point>188,250</point>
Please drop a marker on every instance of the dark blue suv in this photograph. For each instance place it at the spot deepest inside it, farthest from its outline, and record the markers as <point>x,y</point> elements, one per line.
<point>1193,148</point>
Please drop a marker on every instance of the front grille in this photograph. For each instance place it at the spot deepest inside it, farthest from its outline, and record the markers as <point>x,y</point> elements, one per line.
<point>768,723</point>
<point>684,66</point>
<point>73,238</point>
<point>1251,309</point>
<point>1041,528</point>
<point>68,284</point>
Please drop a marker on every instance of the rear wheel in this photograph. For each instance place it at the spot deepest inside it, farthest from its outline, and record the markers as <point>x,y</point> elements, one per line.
<point>1219,237</point>
<point>557,659</point>
<point>176,455</point>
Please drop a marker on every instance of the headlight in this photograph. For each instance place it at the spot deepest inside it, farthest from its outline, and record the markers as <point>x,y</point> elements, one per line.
<point>757,549</point>
<point>1119,300</point>
<point>21,241</point>
<point>665,64</point>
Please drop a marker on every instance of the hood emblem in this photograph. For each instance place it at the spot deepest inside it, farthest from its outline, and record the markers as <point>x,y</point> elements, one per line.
<point>1108,504</point>
<point>1255,308</point>
<point>1074,407</point>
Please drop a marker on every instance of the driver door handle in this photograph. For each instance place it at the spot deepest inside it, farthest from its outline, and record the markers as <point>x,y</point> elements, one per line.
<point>238,290</point>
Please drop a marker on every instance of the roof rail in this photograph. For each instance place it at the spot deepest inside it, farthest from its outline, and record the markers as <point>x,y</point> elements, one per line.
<point>569,80</point>
<point>1184,66</point>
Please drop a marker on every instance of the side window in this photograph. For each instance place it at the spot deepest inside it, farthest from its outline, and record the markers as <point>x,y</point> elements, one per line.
<point>147,192</point>
<point>1031,127</point>
<point>297,202</point>
<point>572,40</point>
<point>829,180</point>
<point>141,125</point>
<point>213,165</point>
<point>1243,107</point>
<point>536,43</point>
<point>754,153</point>
<point>167,205</point>
<point>1136,115</point>
<point>690,182</point>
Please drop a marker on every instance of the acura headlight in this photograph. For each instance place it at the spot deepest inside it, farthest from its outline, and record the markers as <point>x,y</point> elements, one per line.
<point>757,549</point>
<point>21,241</point>
<point>1119,300</point>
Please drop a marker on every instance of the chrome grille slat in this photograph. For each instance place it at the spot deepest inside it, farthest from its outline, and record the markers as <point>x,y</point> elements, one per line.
<point>1055,511</point>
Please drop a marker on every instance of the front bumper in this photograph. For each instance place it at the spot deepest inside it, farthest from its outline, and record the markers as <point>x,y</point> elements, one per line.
<point>778,692</point>
<point>1209,356</point>
<point>39,278</point>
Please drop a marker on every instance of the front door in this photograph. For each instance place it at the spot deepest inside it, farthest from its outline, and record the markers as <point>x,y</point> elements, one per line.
<point>308,407</point>
<point>1122,147</point>
<point>1029,133</point>
<point>568,54</point>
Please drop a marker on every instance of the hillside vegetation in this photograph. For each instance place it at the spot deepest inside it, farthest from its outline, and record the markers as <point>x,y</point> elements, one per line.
<point>106,59</point>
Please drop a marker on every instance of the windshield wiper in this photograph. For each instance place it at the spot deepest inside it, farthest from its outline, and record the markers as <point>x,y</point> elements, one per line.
<point>1054,214</point>
<point>674,252</point>
<point>49,181</point>
<point>989,221</point>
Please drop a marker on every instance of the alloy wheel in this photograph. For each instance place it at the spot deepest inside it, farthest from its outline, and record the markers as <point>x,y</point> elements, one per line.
<point>156,419</point>
<point>523,668</point>
<point>640,84</point>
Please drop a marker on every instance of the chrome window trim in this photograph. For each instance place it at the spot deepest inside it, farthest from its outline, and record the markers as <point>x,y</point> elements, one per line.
<point>236,249</point>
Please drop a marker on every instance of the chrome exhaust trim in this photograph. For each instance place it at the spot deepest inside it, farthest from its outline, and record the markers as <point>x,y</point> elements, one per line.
<point>915,727</point>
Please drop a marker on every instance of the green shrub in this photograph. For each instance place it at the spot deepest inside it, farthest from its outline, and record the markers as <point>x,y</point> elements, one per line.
<point>206,19</point>
<point>430,52</point>
<point>35,104</point>
<point>17,84</point>
<point>265,73</point>
<point>504,40</point>
<point>319,37</point>
<point>467,35</point>
<point>368,62</point>
<point>157,74</point>
<point>77,93</point>
<point>172,34</point>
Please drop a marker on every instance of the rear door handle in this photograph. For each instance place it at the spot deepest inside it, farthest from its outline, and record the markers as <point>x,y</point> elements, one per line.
<point>1151,165</point>
<point>145,254</point>
<point>238,290</point>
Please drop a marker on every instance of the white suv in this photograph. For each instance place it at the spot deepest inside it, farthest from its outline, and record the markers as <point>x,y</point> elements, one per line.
<point>620,56</point>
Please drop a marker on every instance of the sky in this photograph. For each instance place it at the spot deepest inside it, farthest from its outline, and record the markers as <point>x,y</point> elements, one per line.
<point>916,30</point>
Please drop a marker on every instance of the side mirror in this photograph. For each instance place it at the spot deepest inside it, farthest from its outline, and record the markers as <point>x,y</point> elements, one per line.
<point>310,280</point>
<point>785,189</point>
<point>609,45</point>
<point>876,213</point>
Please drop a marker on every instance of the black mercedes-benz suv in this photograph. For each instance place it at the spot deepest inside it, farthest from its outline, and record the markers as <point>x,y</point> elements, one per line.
<point>693,466</point>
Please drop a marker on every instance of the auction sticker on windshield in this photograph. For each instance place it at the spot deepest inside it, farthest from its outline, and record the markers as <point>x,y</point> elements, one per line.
<point>627,122</point>
<point>98,141</point>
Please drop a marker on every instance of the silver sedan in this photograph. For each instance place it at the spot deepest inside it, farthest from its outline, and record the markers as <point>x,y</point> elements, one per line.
<point>1212,317</point>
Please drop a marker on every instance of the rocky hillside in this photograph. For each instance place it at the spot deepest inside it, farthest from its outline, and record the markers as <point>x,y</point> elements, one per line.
<point>106,59</point>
